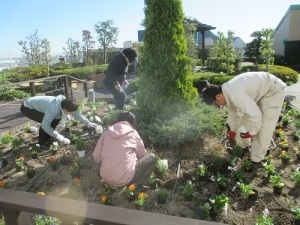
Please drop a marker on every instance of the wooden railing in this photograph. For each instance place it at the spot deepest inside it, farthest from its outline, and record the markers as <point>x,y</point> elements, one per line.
<point>70,211</point>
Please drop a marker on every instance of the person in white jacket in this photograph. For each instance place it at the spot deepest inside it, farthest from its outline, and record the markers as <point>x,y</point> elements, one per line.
<point>254,101</point>
<point>48,110</point>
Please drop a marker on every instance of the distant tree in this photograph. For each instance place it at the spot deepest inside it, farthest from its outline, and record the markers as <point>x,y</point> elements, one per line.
<point>252,49</point>
<point>32,48</point>
<point>190,29</point>
<point>165,89</point>
<point>73,52</point>
<point>87,47</point>
<point>266,47</point>
<point>46,56</point>
<point>107,35</point>
<point>223,53</point>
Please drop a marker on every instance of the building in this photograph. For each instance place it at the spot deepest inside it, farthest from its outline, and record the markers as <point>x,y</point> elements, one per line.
<point>288,29</point>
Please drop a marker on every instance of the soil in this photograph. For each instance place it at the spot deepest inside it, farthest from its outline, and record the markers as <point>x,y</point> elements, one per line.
<point>241,210</point>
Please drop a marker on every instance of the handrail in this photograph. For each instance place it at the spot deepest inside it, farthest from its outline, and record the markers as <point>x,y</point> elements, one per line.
<point>68,210</point>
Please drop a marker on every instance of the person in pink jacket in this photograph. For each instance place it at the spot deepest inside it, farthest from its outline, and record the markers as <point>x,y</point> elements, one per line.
<point>121,154</point>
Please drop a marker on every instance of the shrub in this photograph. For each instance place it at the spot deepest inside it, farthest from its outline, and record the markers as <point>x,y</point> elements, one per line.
<point>10,94</point>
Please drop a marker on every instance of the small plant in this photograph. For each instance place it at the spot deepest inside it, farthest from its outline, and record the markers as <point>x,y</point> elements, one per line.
<point>19,162</point>
<point>2,184</point>
<point>161,167</point>
<point>142,199</point>
<point>297,125</point>
<point>279,132</point>
<point>29,170</point>
<point>286,118</point>
<point>105,199</point>
<point>270,169</point>
<point>221,181</point>
<point>74,137</point>
<point>162,192</point>
<point>206,207</point>
<point>220,201</point>
<point>17,142</point>
<point>296,210</point>
<point>34,149</point>
<point>79,144</point>
<point>201,170</point>
<point>247,165</point>
<point>276,180</point>
<point>246,189</point>
<point>284,155</point>
<point>7,139</point>
<point>130,191</point>
<point>267,159</point>
<point>54,163</point>
<point>188,188</point>
<point>264,218</point>
<point>54,146</point>
<point>296,176</point>
<point>75,171</point>
<point>46,220</point>
<point>152,178</point>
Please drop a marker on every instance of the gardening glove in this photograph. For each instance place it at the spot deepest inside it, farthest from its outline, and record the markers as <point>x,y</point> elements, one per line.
<point>246,135</point>
<point>66,141</point>
<point>59,137</point>
<point>93,125</point>
<point>231,135</point>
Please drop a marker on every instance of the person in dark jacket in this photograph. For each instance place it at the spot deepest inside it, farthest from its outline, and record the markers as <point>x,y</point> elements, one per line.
<point>116,75</point>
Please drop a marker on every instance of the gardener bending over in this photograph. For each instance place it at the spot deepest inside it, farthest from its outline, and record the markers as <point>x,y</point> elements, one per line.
<point>122,155</point>
<point>48,110</point>
<point>254,102</point>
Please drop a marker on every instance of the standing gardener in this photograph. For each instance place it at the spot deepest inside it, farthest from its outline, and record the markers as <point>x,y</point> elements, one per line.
<point>254,102</point>
<point>116,75</point>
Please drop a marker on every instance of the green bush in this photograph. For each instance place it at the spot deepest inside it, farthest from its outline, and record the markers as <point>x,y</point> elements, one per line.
<point>81,72</point>
<point>183,128</point>
<point>10,94</point>
<point>286,74</point>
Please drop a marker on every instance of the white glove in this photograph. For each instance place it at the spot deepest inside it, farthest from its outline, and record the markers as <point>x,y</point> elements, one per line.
<point>59,137</point>
<point>94,125</point>
<point>66,141</point>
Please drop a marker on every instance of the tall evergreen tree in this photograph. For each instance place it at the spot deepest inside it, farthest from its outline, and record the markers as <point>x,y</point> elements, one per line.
<point>165,90</point>
<point>266,46</point>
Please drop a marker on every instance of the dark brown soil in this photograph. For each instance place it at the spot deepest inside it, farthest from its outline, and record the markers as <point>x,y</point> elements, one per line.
<point>241,210</point>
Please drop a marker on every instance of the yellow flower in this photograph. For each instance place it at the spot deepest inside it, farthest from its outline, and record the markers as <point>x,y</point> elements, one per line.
<point>106,185</point>
<point>132,187</point>
<point>103,198</point>
<point>282,153</point>
<point>142,195</point>
<point>41,193</point>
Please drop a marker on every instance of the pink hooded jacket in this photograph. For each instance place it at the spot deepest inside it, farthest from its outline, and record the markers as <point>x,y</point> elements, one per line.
<point>118,150</point>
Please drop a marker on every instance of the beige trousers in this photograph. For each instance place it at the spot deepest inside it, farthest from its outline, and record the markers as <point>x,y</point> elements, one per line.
<point>270,106</point>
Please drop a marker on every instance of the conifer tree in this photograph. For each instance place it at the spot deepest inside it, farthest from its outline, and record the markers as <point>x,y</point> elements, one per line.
<point>164,88</point>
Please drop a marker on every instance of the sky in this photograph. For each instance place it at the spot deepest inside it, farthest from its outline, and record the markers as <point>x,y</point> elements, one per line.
<point>59,20</point>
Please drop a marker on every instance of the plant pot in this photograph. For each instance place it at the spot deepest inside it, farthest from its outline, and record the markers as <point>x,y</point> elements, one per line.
<point>34,156</point>
<point>202,178</point>
<point>188,197</point>
<point>296,138</point>
<point>285,123</point>
<point>286,148</point>
<point>201,214</point>
<point>30,174</point>
<point>153,186</point>
<point>18,168</point>
<point>285,161</point>
<point>162,199</point>
<point>131,197</point>
<point>81,154</point>
<point>254,196</point>
<point>53,152</point>
<point>141,207</point>
<point>55,166</point>
<point>297,222</point>
<point>277,190</point>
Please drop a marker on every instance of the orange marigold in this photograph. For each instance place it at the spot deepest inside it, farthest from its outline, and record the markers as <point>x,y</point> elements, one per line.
<point>103,198</point>
<point>41,193</point>
<point>77,181</point>
<point>2,183</point>
<point>132,187</point>
<point>52,159</point>
<point>142,195</point>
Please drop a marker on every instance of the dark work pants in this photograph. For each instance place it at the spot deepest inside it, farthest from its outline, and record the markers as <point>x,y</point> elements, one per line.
<point>119,96</point>
<point>38,117</point>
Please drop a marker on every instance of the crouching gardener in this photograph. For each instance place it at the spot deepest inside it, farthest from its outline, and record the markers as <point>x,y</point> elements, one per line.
<point>254,102</point>
<point>48,110</point>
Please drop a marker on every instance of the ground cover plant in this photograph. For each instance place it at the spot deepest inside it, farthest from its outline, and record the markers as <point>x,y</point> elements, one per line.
<point>217,178</point>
